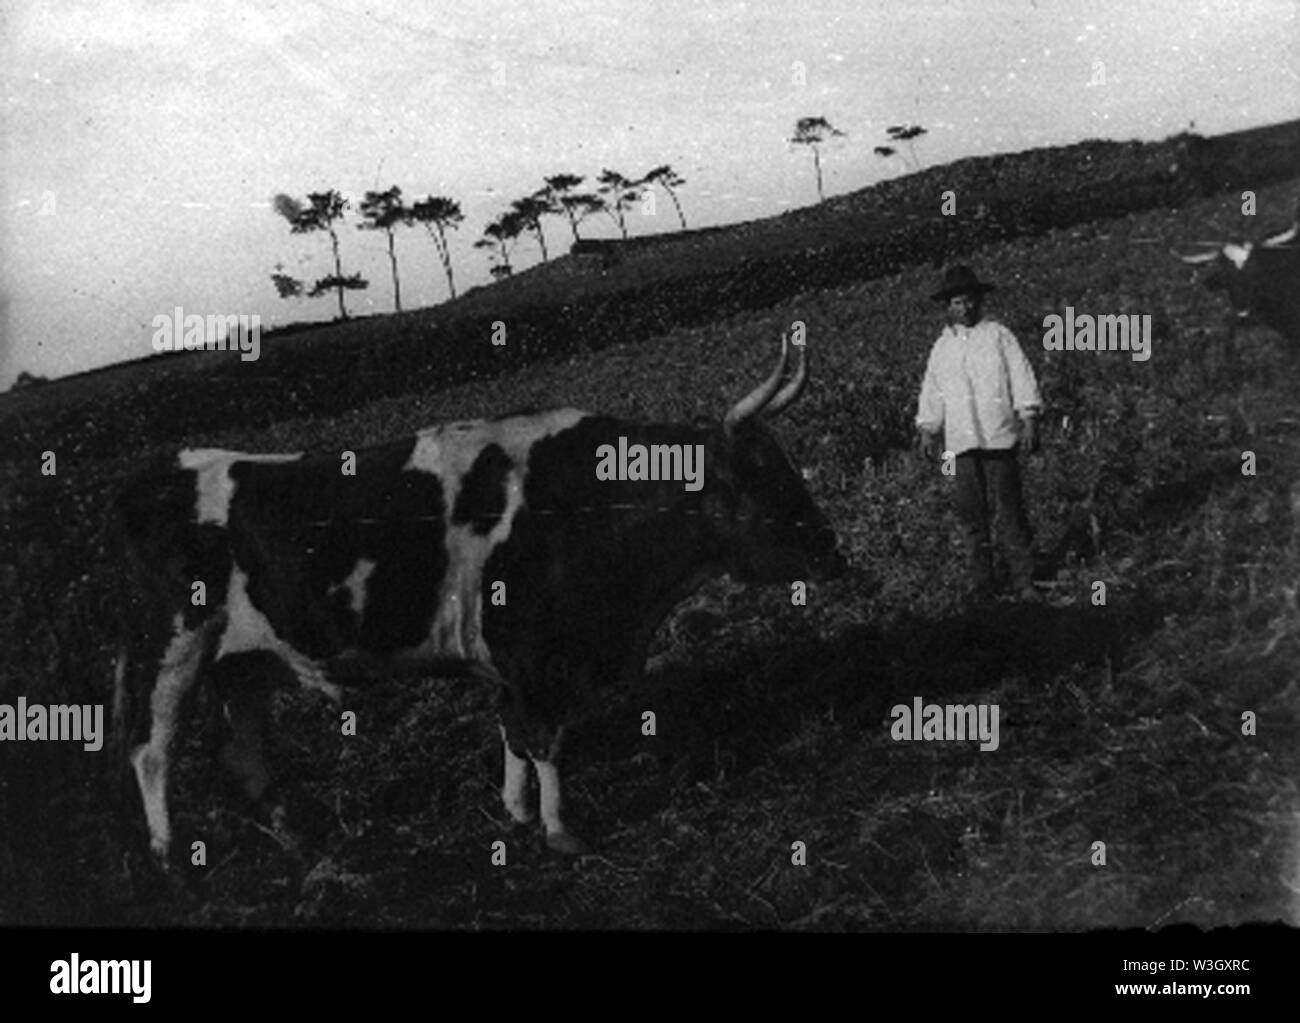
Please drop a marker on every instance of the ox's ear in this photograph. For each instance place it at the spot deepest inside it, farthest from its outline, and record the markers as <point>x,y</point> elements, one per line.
<point>720,497</point>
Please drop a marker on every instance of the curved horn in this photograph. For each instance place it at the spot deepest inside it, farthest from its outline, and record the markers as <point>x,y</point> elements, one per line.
<point>793,388</point>
<point>1285,238</point>
<point>755,400</point>
<point>1200,257</point>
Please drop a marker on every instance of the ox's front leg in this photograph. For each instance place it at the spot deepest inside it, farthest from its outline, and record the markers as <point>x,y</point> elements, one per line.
<point>514,789</point>
<point>558,837</point>
<point>527,730</point>
<point>246,705</point>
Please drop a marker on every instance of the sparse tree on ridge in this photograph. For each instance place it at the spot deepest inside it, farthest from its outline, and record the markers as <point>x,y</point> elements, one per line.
<point>352,282</point>
<point>320,213</point>
<point>286,286</point>
<point>437,213</point>
<point>498,237</point>
<point>908,133</point>
<point>668,179</point>
<point>530,210</point>
<point>577,206</point>
<point>813,132</point>
<point>384,211</point>
<point>622,192</point>
<point>885,152</point>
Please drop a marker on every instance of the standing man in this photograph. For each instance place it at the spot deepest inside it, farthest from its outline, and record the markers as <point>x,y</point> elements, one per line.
<point>977,383</point>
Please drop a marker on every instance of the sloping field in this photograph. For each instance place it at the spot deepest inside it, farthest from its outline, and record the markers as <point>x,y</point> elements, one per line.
<point>1120,724</point>
<point>655,282</point>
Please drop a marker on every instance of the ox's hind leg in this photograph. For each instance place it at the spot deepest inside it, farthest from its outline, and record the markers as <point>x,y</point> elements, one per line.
<point>244,688</point>
<point>151,759</point>
<point>245,683</point>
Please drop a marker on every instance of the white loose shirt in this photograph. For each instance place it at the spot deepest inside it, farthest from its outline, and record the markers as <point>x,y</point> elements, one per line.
<point>976,382</point>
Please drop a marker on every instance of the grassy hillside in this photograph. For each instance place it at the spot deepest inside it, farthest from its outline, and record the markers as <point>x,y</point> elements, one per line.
<point>1120,724</point>
<point>652,283</point>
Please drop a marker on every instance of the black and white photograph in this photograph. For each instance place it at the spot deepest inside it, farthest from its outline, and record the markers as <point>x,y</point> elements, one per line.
<point>569,466</point>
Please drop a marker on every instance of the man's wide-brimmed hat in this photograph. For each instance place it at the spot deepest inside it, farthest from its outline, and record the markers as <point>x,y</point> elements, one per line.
<point>961,280</point>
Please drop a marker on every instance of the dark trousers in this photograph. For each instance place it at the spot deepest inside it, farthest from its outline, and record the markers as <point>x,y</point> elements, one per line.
<point>988,483</point>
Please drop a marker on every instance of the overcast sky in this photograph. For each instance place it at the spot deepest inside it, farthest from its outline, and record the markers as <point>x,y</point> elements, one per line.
<point>142,141</point>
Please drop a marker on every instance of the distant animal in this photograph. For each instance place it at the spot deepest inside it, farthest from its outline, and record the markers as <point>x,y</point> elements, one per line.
<point>1262,281</point>
<point>489,548</point>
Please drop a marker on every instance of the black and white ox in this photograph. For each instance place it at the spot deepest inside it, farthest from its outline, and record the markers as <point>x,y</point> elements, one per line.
<point>489,548</point>
<point>1262,281</point>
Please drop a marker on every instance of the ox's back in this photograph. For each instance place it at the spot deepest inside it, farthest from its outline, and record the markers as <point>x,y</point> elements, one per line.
<point>382,561</point>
